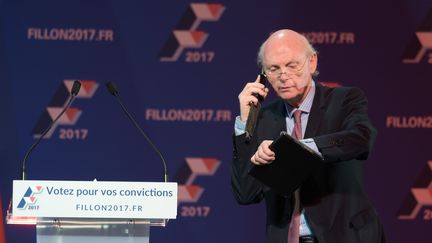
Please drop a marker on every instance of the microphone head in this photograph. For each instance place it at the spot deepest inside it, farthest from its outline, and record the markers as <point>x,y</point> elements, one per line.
<point>112,88</point>
<point>76,88</point>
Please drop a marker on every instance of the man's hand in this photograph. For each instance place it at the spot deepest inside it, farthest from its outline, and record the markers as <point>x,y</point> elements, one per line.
<point>263,155</point>
<point>246,98</point>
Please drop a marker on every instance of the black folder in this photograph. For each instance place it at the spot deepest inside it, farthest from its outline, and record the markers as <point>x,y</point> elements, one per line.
<point>294,163</point>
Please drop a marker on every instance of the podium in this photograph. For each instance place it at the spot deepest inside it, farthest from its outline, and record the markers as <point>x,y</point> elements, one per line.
<point>92,211</point>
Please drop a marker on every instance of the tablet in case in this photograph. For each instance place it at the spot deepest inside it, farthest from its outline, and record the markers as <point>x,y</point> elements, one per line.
<point>294,163</point>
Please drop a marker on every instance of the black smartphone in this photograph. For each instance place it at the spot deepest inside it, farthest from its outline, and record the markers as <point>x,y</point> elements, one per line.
<point>263,80</point>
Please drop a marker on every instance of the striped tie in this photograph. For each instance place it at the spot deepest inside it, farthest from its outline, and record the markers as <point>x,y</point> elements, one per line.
<point>294,226</point>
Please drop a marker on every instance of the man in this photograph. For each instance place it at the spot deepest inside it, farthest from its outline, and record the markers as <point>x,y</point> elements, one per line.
<point>331,204</point>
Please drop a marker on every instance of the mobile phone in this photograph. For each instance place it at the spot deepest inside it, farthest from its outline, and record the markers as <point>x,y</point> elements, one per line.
<point>263,80</point>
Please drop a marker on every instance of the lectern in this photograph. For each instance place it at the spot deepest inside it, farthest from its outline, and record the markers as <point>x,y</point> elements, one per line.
<point>92,211</point>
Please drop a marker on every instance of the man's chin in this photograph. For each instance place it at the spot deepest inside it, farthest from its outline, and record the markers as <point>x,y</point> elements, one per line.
<point>287,95</point>
<point>290,98</point>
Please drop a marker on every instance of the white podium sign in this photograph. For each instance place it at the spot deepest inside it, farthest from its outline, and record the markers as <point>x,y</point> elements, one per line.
<point>94,199</point>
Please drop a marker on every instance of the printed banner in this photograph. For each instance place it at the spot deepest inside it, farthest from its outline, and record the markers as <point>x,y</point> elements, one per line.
<point>79,199</point>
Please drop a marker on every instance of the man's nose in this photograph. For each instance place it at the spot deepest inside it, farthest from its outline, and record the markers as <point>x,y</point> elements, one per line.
<point>285,77</point>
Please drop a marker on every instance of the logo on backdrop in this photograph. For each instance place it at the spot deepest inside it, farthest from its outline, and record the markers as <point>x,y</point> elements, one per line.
<point>423,121</point>
<point>187,191</point>
<point>419,196</point>
<point>420,43</point>
<point>331,84</point>
<point>185,34</point>
<point>71,116</point>
<point>30,197</point>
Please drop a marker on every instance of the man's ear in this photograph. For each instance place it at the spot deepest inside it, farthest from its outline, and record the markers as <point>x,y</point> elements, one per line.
<point>313,63</point>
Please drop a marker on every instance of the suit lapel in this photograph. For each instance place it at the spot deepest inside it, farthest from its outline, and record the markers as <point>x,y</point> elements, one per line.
<point>317,112</point>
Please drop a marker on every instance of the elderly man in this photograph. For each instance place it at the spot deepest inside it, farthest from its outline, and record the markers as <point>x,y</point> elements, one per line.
<point>331,205</point>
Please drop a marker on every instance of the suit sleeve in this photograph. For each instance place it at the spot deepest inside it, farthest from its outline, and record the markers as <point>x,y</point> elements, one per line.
<point>354,136</point>
<point>246,189</point>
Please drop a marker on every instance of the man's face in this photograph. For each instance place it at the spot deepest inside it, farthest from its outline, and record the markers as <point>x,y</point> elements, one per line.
<point>289,69</point>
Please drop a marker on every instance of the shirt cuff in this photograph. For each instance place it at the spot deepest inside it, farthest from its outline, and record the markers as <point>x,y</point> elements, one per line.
<point>311,144</point>
<point>239,126</point>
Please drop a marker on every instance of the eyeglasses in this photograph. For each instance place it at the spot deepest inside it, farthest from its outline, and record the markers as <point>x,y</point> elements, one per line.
<point>292,69</point>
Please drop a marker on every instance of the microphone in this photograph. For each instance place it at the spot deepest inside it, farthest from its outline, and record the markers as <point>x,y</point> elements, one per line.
<point>73,93</point>
<point>254,111</point>
<point>113,91</point>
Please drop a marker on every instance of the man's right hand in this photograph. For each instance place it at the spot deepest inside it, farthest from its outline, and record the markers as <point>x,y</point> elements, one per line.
<point>246,98</point>
<point>264,155</point>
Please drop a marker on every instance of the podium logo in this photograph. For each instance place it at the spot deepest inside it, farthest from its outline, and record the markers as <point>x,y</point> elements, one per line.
<point>58,101</point>
<point>187,191</point>
<point>420,43</point>
<point>29,199</point>
<point>419,196</point>
<point>185,34</point>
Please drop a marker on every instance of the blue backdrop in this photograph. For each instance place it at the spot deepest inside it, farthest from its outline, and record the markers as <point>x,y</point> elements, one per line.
<point>179,67</point>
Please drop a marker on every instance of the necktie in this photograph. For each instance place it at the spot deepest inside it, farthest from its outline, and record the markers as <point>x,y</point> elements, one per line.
<point>294,226</point>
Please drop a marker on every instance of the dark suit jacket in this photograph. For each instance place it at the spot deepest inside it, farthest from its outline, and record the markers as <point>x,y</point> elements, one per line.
<point>334,201</point>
